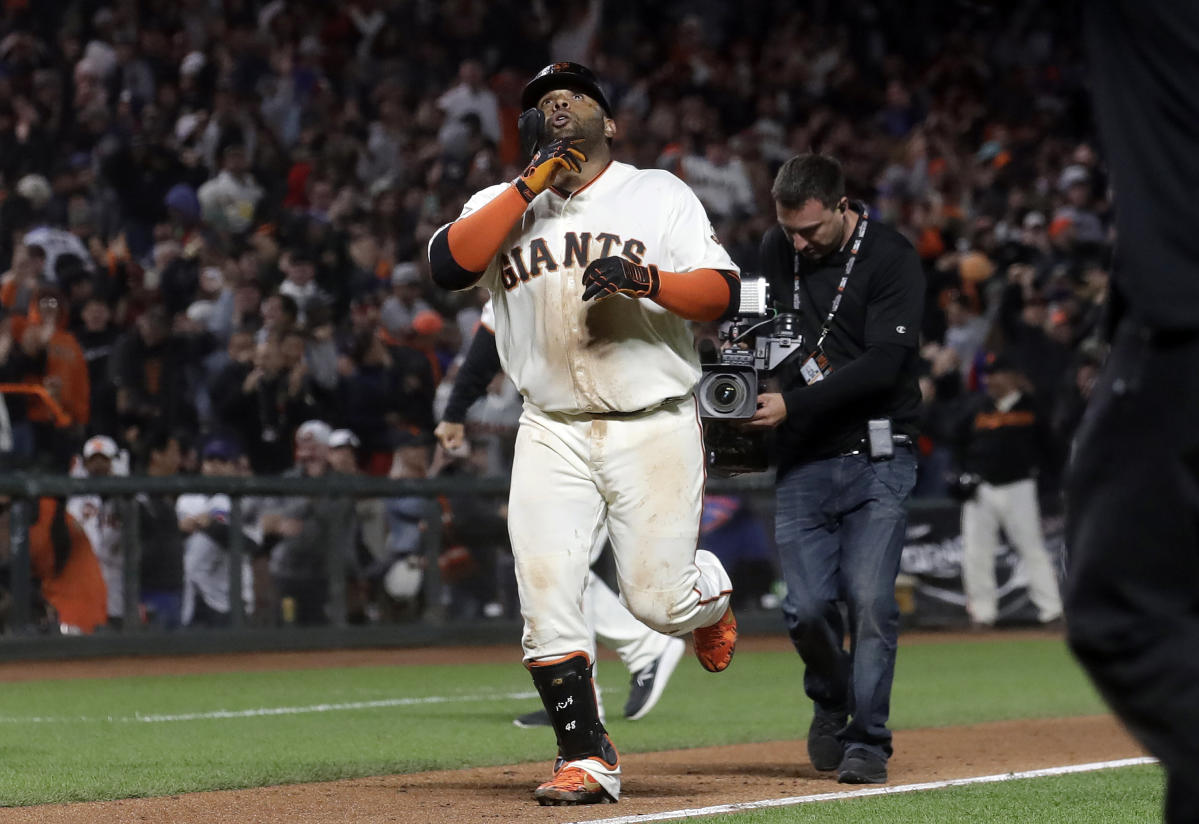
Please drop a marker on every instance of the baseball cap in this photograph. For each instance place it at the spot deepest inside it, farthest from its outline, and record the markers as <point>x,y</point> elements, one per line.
<point>221,449</point>
<point>427,322</point>
<point>343,437</point>
<point>193,63</point>
<point>319,431</point>
<point>182,198</point>
<point>100,445</point>
<point>564,75</point>
<point>405,273</point>
<point>1072,175</point>
<point>1033,220</point>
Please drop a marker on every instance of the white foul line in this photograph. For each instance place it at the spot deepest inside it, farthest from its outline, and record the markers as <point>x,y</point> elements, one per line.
<point>673,815</point>
<point>268,711</point>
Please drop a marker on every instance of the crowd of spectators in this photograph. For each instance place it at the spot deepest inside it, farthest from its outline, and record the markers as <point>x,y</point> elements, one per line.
<point>214,211</point>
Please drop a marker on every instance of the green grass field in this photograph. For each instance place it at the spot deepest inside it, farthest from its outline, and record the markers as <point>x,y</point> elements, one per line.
<point>94,739</point>
<point>1126,796</point>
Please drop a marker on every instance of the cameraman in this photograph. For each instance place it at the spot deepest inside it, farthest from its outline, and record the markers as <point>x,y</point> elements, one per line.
<point>846,426</point>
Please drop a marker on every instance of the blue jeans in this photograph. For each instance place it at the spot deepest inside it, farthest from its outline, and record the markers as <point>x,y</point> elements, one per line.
<point>840,528</point>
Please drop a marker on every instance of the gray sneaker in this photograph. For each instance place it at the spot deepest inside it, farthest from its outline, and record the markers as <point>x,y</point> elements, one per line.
<point>647,684</point>
<point>537,718</point>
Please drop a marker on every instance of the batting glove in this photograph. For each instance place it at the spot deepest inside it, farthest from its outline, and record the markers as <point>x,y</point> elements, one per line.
<point>552,158</point>
<point>611,275</point>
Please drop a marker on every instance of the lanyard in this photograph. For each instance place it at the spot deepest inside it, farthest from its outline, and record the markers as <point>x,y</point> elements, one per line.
<point>859,233</point>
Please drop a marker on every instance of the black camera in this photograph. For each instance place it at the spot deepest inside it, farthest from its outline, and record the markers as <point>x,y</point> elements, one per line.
<point>755,342</point>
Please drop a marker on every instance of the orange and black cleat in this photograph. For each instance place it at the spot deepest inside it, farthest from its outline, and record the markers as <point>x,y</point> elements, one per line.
<point>714,645</point>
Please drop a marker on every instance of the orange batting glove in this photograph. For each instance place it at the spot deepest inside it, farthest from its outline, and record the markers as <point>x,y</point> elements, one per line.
<point>551,159</point>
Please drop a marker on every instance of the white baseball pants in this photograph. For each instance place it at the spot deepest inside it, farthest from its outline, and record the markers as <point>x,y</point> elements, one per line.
<point>641,476</point>
<point>1012,507</point>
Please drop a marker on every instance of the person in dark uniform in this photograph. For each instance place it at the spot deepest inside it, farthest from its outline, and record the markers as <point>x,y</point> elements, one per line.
<point>845,420</point>
<point>1003,442</point>
<point>1132,581</point>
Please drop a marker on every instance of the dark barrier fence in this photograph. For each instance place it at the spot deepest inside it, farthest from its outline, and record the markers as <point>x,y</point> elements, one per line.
<point>930,570</point>
<point>25,490</point>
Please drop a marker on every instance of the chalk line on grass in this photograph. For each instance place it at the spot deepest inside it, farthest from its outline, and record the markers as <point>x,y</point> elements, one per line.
<point>675,815</point>
<point>258,712</point>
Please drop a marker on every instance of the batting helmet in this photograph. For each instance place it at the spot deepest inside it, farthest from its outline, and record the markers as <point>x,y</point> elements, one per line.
<point>563,75</point>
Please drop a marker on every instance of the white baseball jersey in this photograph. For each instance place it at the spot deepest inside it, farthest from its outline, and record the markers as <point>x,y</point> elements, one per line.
<point>101,522</point>
<point>206,563</point>
<point>619,354</point>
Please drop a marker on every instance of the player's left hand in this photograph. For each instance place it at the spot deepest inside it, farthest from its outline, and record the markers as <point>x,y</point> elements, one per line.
<point>611,275</point>
<point>771,411</point>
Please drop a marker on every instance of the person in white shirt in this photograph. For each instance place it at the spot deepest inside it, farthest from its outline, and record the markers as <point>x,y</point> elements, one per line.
<point>469,96</point>
<point>228,200</point>
<point>100,518</point>
<point>204,520</point>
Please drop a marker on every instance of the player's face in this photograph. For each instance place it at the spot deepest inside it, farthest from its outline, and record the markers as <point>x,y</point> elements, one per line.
<point>815,230</point>
<point>570,113</point>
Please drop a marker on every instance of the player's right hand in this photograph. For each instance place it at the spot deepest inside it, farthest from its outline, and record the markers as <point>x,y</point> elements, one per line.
<point>551,160</point>
<point>451,436</point>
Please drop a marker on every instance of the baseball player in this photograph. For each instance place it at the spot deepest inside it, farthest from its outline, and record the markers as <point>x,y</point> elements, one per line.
<point>594,268</point>
<point>649,656</point>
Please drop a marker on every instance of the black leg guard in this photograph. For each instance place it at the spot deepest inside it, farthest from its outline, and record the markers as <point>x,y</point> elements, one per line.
<point>568,694</point>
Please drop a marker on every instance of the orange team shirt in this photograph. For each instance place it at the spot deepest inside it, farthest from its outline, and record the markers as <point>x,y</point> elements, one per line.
<point>77,592</point>
<point>64,360</point>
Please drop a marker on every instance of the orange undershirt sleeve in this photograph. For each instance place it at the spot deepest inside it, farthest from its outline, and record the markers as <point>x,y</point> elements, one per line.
<point>701,294</point>
<point>475,239</point>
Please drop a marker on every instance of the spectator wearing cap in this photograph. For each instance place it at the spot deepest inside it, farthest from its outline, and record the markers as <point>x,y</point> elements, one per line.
<point>54,241</point>
<point>160,539</point>
<point>183,211</point>
<point>100,519</point>
<point>304,534</point>
<point>343,451</point>
<point>204,521</point>
<point>426,336</point>
<point>1074,183</point>
<point>406,300</point>
<point>1003,440</point>
<point>370,537</point>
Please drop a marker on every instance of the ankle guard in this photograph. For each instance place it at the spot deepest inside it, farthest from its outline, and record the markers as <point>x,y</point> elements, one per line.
<point>568,694</point>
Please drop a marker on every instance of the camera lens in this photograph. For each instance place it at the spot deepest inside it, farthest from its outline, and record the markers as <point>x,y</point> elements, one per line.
<point>725,394</point>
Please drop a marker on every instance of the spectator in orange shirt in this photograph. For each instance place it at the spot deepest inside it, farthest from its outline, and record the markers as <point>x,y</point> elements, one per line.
<point>17,286</point>
<point>64,564</point>
<point>43,333</point>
